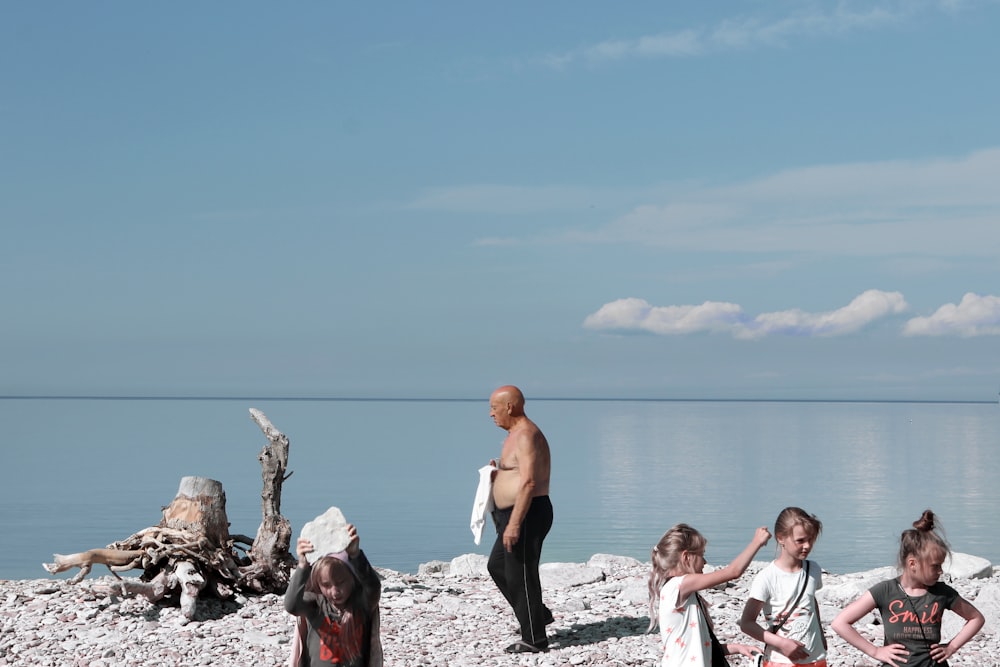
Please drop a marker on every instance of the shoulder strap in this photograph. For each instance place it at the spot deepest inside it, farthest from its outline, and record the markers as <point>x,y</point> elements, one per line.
<point>718,650</point>
<point>805,582</point>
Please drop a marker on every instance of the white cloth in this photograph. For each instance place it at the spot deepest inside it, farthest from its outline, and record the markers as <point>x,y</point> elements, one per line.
<point>683,629</point>
<point>776,589</point>
<point>483,504</point>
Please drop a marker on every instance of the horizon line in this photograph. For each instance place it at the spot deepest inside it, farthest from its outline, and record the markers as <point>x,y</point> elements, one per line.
<point>399,399</point>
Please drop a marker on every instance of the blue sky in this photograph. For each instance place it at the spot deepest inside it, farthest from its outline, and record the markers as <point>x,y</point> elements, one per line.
<point>722,200</point>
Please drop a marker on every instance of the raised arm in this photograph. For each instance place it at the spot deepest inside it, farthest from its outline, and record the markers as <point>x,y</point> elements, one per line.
<point>698,581</point>
<point>294,602</point>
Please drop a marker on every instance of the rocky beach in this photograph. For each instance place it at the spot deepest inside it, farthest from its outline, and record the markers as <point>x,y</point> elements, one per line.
<point>448,614</point>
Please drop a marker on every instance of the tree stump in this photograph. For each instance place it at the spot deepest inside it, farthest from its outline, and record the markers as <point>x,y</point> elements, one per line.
<point>199,512</point>
<point>191,549</point>
<point>188,551</point>
<point>199,507</point>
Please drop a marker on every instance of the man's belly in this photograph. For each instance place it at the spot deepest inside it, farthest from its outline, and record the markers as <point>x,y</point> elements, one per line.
<point>505,488</point>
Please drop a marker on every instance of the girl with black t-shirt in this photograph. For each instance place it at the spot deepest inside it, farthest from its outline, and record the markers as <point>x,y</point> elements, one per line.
<point>912,605</point>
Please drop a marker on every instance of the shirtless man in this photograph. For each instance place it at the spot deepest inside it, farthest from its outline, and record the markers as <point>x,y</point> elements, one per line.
<point>522,515</point>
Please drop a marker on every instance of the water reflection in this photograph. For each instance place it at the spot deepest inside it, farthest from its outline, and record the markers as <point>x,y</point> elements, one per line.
<point>406,473</point>
<point>867,470</point>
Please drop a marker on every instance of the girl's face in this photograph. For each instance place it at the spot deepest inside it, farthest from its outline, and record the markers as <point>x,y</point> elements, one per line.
<point>336,585</point>
<point>797,543</point>
<point>927,569</point>
<point>695,560</point>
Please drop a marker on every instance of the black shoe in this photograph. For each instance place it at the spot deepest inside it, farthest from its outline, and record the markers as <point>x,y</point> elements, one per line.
<point>521,646</point>
<point>549,619</point>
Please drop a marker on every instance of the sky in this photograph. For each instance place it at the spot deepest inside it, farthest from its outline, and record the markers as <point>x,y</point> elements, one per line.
<point>747,200</point>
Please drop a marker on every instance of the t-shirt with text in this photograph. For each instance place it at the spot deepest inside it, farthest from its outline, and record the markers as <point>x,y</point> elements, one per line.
<point>914,622</point>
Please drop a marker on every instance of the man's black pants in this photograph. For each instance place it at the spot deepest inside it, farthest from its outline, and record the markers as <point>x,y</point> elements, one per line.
<point>516,572</point>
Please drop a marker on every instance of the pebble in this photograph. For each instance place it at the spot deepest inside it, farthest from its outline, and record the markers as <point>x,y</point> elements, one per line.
<point>433,619</point>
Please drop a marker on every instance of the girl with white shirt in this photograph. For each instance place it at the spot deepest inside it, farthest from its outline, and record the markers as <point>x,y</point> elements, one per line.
<point>674,604</point>
<point>785,591</point>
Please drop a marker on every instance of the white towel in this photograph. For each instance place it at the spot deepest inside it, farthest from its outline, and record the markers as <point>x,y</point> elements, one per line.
<point>483,504</point>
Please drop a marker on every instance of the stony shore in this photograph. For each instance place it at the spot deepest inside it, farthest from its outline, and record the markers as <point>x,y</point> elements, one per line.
<point>449,614</point>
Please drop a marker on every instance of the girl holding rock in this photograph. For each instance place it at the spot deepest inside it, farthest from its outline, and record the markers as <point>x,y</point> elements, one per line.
<point>785,591</point>
<point>912,605</point>
<point>336,599</point>
<point>674,603</point>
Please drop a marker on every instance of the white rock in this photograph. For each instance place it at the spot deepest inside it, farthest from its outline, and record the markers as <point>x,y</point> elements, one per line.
<point>988,602</point>
<point>469,565</point>
<point>848,588</point>
<point>433,567</point>
<point>965,566</point>
<point>609,561</point>
<point>566,575</point>
<point>636,592</point>
<point>328,533</point>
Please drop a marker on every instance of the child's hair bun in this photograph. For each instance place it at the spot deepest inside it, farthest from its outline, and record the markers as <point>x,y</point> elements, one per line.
<point>926,521</point>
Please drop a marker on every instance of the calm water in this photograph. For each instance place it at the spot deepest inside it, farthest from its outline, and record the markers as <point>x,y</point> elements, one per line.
<point>83,473</point>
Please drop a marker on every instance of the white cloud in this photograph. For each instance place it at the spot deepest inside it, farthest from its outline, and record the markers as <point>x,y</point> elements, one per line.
<point>917,210</point>
<point>740,33</point>
<point>632,314</point>
<point>684,43</point>
<point>864,309</point>
<point>976,315</point>
<point>639,315</point>
<point>940,207</point>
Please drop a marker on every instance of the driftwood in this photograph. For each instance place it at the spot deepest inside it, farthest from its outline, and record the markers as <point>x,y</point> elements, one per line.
<point>191,551</point>
<point>117,561</point>
<point>270,561</point>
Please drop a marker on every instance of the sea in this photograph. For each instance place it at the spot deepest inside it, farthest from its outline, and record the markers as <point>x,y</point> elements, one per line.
<point>82,472</point>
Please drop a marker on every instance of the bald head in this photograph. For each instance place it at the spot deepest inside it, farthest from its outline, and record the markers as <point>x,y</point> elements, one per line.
<point>506,405</point>
<point>511,394</point>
